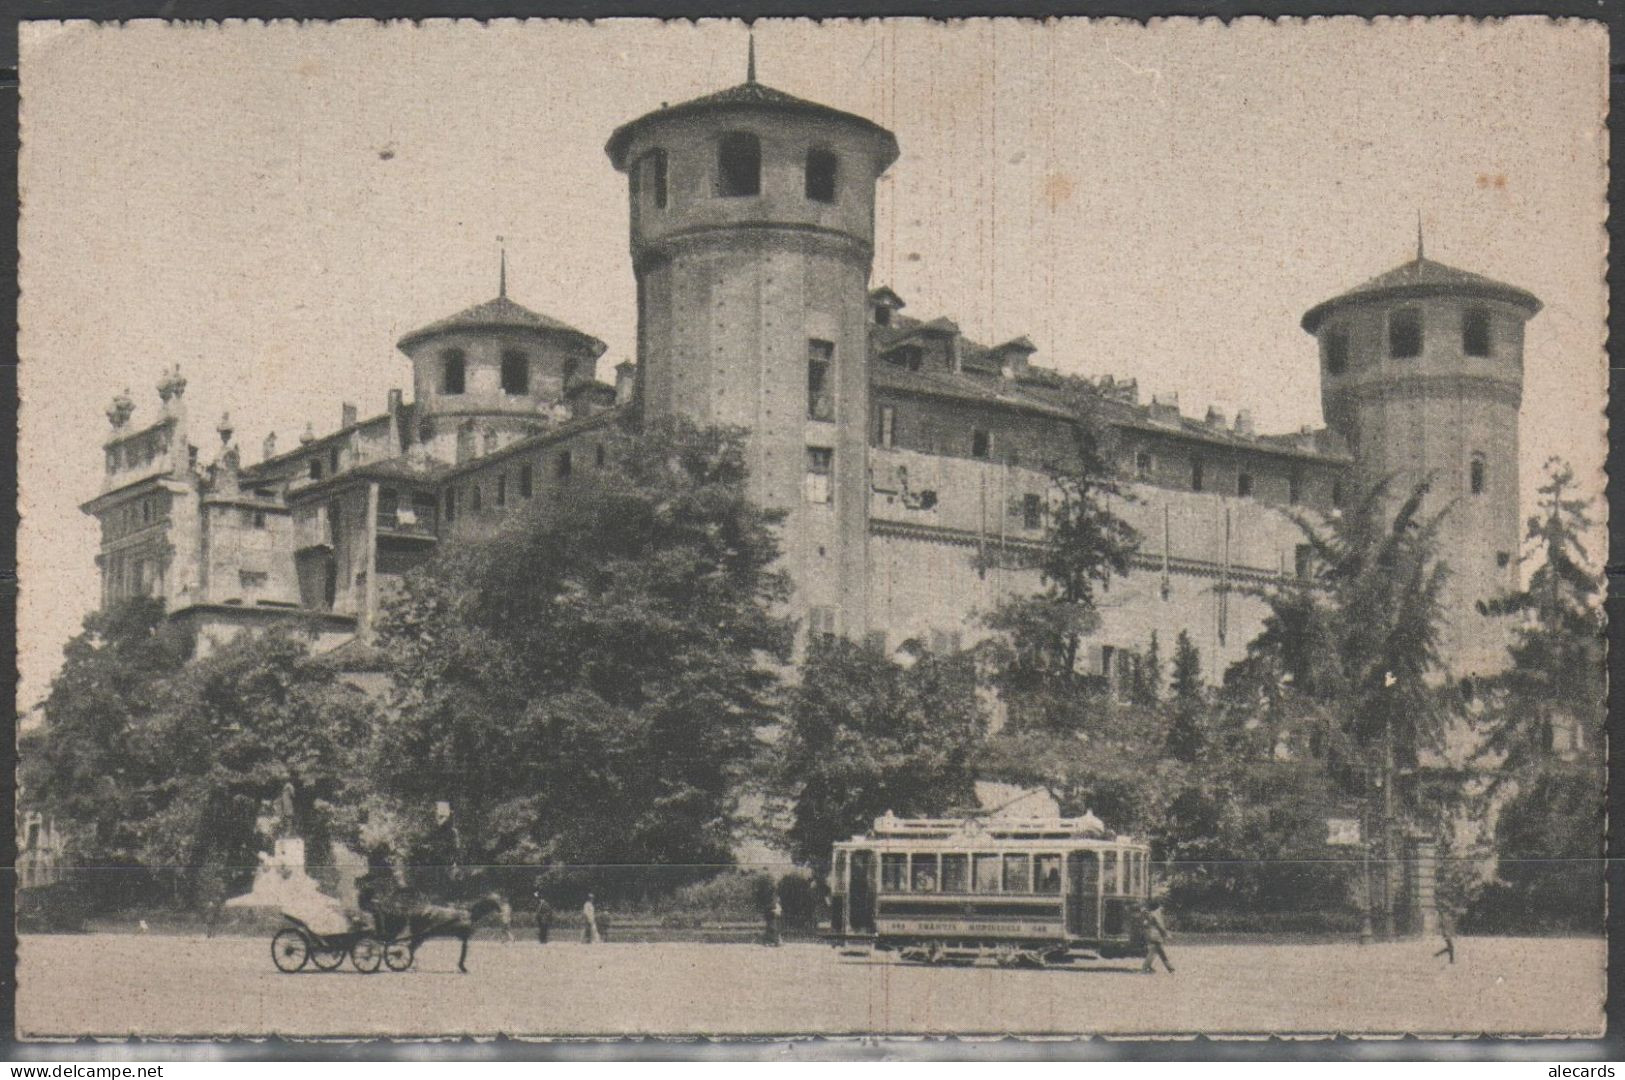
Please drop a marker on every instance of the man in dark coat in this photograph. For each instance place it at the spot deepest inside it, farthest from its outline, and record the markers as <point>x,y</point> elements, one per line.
<point>544,913</point>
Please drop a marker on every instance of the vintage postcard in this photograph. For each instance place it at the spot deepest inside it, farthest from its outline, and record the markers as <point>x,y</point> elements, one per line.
<point>877,527</point>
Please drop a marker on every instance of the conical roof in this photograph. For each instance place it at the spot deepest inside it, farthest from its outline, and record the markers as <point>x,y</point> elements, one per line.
<point>1422,277</point>
<point>501,314</point>
<point>749,95</point>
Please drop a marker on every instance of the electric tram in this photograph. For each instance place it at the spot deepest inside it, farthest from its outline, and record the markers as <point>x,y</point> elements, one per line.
<point>1021,892</point>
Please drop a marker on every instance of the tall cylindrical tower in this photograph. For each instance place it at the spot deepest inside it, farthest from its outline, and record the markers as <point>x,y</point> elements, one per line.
<point>752,227</point>
<point>1422,372</point>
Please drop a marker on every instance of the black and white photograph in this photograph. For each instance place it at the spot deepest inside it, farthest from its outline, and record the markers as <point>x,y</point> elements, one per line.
<point>1000,527</point>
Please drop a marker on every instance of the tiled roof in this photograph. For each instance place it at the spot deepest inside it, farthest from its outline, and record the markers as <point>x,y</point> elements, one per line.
<point>747,95</point>
<point>501,313</point>
<point>1422,277</point>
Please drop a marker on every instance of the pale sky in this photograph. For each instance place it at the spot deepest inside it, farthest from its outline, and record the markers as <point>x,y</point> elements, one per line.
<point>271,206</point>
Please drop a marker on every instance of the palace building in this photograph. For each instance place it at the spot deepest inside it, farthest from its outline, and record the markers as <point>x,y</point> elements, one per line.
<point>906,455</point>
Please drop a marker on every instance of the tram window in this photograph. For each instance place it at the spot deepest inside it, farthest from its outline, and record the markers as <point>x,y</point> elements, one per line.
<point>840,872</point>
<point>923,873</point>
<point>1108,872</point>
<point>956,873</point>
<point>893,873</point>
<point>1047,873</point>
<point>1018,873</point>
<point>987,873</point>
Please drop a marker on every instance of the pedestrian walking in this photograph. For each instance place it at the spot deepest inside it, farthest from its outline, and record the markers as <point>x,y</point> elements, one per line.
<point>544,914</point>
<point>1448,932</point>
<point>773,915</point>
<point>589,928</point>
<point>1156,932</point>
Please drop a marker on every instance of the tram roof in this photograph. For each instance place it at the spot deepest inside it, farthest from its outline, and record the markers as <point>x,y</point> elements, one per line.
<point>955,833</point>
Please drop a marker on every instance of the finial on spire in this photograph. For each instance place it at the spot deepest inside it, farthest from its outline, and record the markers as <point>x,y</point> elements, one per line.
<point>502,272</point>
<point>750,59</point>
<point>1419,236</point>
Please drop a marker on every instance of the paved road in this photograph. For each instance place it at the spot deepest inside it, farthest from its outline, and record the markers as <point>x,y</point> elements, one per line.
<point>122,984</point>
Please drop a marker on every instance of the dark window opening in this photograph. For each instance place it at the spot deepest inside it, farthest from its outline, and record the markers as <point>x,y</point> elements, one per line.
<point>1032,511</point>
<point>1502,558</point>
<point>1303,557</point>
<point>502,489</point>
<point>653,177</point>
<point>333,460</point>
<point>908,357</point>
<point>526,478</point>
<point>1294,488</point>
<point>1196,474</point>
<point>567,374</point>
<point>599,455</point>
<point>1475,476</point>
<point>739,165</point>
<point>1244,485</point>
<point>820,381</point>
<point>452,365</point>
<point>451,505</point>
<point>882,315</point>
<point>1337,494</point>
<point>981,443</point>
<point>315,468</point>
<point>259,519</point>
<point>1144,465</point>
<point>515,372</point>
<point>564,466</point>
<point>823,168</point>
<point>1405,333</point>
<point>474,498</point>
<point>1337,352</point>
<point>1475,332</point>
<point>330,584</point>
<point>389,503</point>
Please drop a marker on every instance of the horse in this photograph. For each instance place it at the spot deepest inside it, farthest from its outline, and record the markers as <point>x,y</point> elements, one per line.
<point>420,922</point>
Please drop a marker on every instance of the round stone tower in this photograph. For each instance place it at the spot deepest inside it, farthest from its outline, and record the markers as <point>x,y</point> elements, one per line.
<point>1422,372</point>
<point>752,228</point>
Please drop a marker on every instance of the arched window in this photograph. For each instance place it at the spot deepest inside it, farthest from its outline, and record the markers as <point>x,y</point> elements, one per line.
<point>1337,352</point>
<point>1405,333</point>
<point>515,372</point>
<point>1475,332</point>
<point>739,165</point>
<point>1475,475</point>
<point>452,365</point>
<point>652,177</point>
<point>823,171</point>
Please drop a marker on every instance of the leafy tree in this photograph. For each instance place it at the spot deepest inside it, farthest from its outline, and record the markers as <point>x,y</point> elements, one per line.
<point>586,686</point>
<point>866,734</point>
<point>1185,735</point>
<point>258,722</point>
<point>1557,673</point>
<point>87,766</point>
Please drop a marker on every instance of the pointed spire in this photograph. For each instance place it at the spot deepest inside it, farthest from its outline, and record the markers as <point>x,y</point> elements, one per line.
<point>1419,247</point>
<point>502,273</point>
<point>750,59</point>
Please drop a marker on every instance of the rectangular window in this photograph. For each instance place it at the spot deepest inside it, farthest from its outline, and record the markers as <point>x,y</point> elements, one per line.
<point>1475,332</point>
<point>1475,476</point>
<point>315,468</point>
<point>1244,484</point>
<point>1144,465</point>
<point>1032,511</point>
<point>515,371</point>
<point>333,461</point>
<point>893,872</point>
<point>389,508</point>
<point>987,873</point>
<point>1047,874</point>
<point>923,873</point>
<point>820,475</point>
<point>981,443</point>
<point>502,489</point>
<point>474,498</point>
<point>599,455</point>
<point>886,436</point>
<point>1294,487</point>
<point>452,364</point>
<point>739,165</point>
<point>822,170</point>
<point>259,519</point>
<point>956,873</point>
<point>1405,333</point>
<point>820,380</point>
<point>564,466</point>
<point>451,505</point>
<point>1017,873</point>
<point>1196,474</point>
<point>1108,873</point>
<point>526,481</point>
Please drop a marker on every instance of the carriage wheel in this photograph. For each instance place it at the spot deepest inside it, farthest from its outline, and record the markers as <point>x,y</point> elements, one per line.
<point>398,955</point>
<point>366,954</point>
<point>327,957</point>
<point>289,950</point>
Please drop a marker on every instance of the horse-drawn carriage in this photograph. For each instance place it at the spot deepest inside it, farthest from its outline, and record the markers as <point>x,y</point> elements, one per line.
<point>389,938</point>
